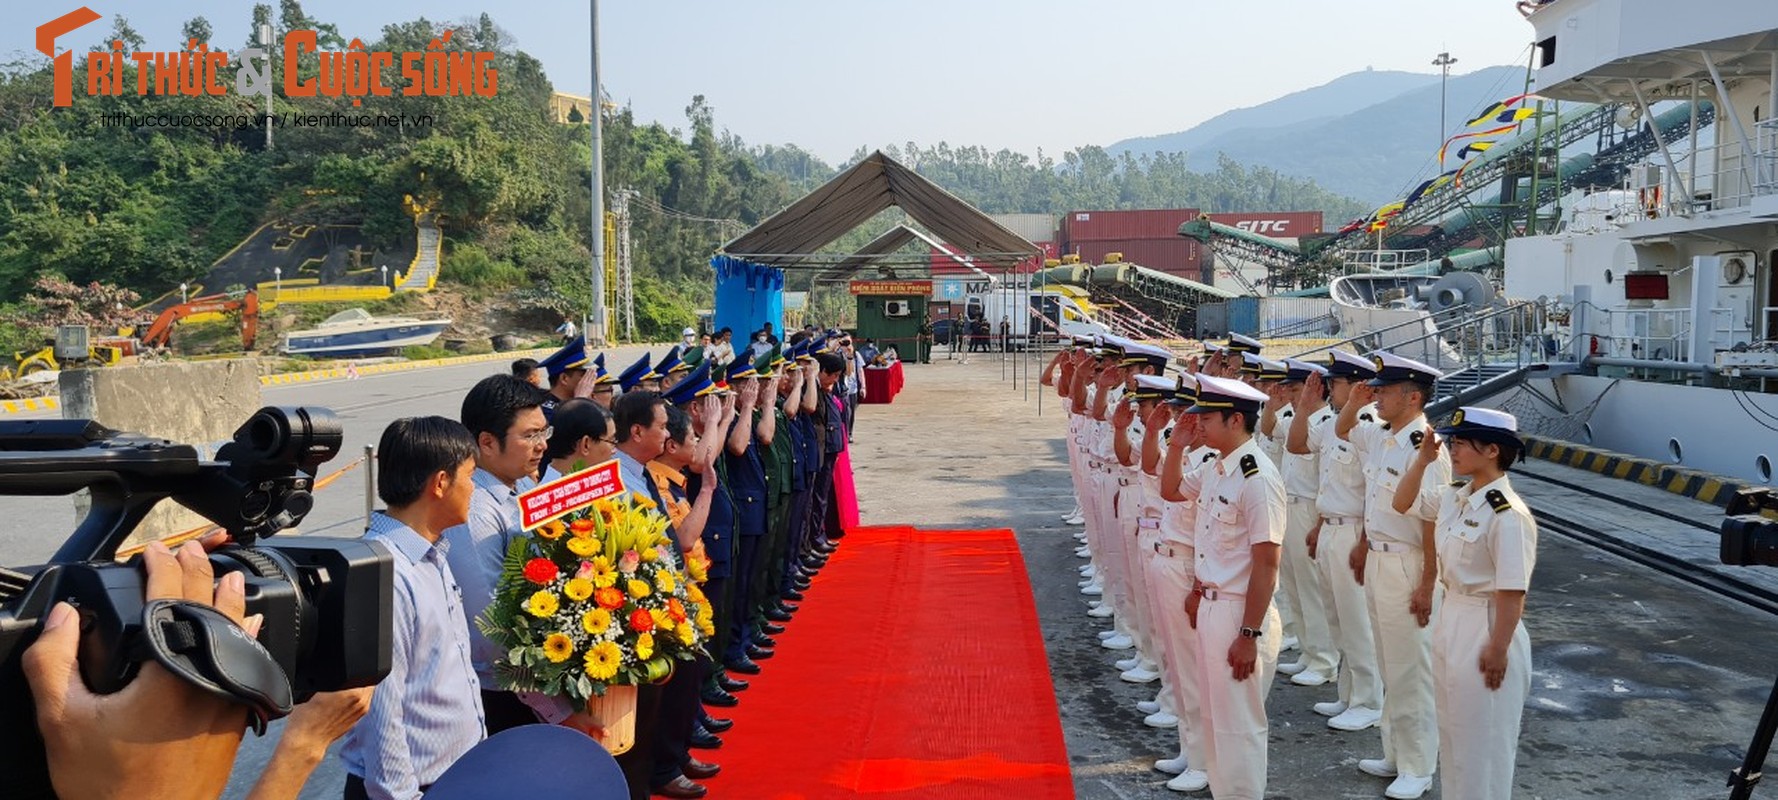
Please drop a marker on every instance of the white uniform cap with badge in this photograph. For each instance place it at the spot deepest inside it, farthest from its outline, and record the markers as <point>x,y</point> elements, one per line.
<point>1300,370</point>
<point>1344,364</point>
<point>1242,343</point>
<point>1270,370</point>
<point>1154,387</point>
<point>1222,394</point>
<point>1185,391</point>
<point>1483,425</point>
<point>1142,354</point>
<point>1392,368</point>
<point>1252,364</point>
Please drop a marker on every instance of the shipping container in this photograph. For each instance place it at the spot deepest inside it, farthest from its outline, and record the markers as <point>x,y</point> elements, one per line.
<point>1033,227</point>
<point>1275,224</point>
<point>1296,316</point>
<point>941,263</point>
<point>1151,223</point>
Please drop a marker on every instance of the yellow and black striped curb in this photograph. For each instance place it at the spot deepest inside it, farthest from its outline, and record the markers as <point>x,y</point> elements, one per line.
<point>1696,484</point>
<point>30,404</point>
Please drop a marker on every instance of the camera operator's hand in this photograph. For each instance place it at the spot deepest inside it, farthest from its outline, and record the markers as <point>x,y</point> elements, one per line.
<point>308,732</point>
<point>158,737</point>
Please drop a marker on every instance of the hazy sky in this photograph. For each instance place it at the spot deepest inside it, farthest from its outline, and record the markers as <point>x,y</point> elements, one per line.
<point>835,75</point>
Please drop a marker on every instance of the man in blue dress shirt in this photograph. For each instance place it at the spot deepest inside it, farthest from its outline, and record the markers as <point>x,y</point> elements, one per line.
<point>428,712</point>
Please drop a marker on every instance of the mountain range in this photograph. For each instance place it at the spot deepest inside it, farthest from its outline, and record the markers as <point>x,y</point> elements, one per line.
<point>1369,135</point>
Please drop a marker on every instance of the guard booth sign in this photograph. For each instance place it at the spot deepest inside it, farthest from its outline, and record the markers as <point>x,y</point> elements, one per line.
<point>895,288</point>
<point>569,493</point>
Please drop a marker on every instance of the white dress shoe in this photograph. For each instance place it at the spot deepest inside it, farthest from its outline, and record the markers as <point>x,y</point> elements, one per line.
<point>1141,674</point>
<point>1331,708</point>
<point>1076,520</point>
<point>1191,780</point>
<point>1088,570</point>
<point>1121,641</point>
<point>1082,552</point>
<point>1075,513</point>
<point>1103,635</point>
<point>1290,643</point>
<point>1101,611</point>
<point>1094,590</point>
<point>1408,787</point>
<point>1357,718</point>
<point>1291,668</point>
<point>1161,719</point>
<point>1081,537</point>
<point>1309,677</point>
<point>1172,766</point>
<point>1377,767</point>
<point>1128,663</point>
<point>1149,707</point>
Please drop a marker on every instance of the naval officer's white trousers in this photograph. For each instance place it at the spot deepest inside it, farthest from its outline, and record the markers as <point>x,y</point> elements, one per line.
<point>1478,727</point>
<point>1234,712</point>
<point>1348,615</point>
<point>1404,653</point>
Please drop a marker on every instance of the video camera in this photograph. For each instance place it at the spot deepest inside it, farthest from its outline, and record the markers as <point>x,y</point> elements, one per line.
<point>325,600</point>
<point>1750,537</point>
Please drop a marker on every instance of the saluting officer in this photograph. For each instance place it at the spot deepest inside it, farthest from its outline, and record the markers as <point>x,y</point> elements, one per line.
<point>565,367</point>
<point>1301,579</point>
<point>1339,504</point>
<point>1481,655</point>
<point>1238,538</point>
<point>1134,521</point>
<point>1400,566</point>
<point>1172,576</point>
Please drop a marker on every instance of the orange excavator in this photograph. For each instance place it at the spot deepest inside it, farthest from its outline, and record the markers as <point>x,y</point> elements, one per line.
<point>160,334</point>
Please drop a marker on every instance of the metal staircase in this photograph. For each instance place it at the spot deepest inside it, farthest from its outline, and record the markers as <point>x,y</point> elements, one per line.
<point>423,272</point>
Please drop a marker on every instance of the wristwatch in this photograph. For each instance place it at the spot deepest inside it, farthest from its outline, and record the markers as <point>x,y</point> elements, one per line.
<point>1251,633</point>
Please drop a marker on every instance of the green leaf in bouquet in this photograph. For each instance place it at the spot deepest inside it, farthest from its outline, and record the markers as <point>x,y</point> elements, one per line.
<point>515,655</point>
<point>585,685</point>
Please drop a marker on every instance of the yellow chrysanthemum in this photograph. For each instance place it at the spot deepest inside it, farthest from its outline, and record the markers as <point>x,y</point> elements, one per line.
<point>578,589</point>
<point>664,582</point>
<point>552,529</point>
<point>650,555</point>
<point>662,620</point>
<point>695,593</point>
<point>603,573</point>
<point>584,548</point>
<point>596,621</point>
<point>638,589</point>
<point>602,660</point>
<point>558,647</point>
<point>645,646</point>
<point>688,636</point>
<point>643,502</point>
<point>698,570</point>
<point>706,626</point>
<point>543,604</point>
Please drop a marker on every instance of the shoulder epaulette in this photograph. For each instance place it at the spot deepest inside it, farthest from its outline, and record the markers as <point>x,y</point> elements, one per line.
<point>1497,499</point>
<point>1366,416</point>
<point>1417,437</point>
<point>1249,465</point>
<point>1207,457</point>
<point>1385,426</point>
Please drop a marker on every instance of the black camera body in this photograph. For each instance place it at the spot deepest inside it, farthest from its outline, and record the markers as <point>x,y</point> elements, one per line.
<point>326,601</point>
<point>1750,532</point>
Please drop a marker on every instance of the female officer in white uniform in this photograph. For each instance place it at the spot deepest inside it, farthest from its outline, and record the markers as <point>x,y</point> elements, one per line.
<point>1481,655</point>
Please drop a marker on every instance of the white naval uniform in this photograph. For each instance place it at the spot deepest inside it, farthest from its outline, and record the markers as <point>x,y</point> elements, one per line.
<point>1236,511</point>
<point>1340,502</point>
<point>1086,489</point>
<point>1273,448</point>
<point>1391,573</point>
<point>1298,575</point>
<point>1171,574</point>
<point>1131,505</point>
<point>1112,542</point>
<point>1487,542</point>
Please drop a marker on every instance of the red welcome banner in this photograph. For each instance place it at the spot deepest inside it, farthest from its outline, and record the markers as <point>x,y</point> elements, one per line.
<point>569,493</point>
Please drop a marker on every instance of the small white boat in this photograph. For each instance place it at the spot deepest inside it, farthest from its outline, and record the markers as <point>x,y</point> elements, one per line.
<point>354,332</point>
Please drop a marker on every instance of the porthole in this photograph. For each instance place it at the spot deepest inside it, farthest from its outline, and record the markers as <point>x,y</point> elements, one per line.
<point>1764,465</point>
<point>1674,450</point>
<point>1586,433</point>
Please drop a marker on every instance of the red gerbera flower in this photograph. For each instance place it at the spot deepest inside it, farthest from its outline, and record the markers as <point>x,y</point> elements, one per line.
<point>609,598</point>
<point>676,609</point>
<point>640,621</point>
<point>540,571</point>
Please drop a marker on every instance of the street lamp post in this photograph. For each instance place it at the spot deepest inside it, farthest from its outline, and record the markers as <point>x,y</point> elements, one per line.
<point>184,297</point>
<point>277,282</point>
<point>385,270</point>
<point>1443,62</point>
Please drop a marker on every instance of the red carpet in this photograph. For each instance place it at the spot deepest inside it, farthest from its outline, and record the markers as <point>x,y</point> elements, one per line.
<point>915,670</point>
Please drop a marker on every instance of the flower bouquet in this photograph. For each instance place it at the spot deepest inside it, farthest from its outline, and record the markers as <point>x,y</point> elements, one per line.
<point>593,604</point>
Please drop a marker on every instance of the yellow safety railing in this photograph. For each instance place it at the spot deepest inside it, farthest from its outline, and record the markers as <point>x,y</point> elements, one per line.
<point>328,294</point>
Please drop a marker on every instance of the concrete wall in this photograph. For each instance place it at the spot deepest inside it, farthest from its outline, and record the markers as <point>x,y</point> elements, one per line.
<point>198,403</point>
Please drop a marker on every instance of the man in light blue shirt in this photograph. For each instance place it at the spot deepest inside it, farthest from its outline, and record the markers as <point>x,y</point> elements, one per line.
<point>428,712</point>
<point>505,415</point>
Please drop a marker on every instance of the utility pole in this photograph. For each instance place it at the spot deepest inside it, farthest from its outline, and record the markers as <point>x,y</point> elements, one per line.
<point>1443,62</point>
<point>626,284</point>
<point>265,40</point>
<point>595,324</point>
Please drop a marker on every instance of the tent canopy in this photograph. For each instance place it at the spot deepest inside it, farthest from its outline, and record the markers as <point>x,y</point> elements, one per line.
<point>885,246</point>
<point>793,236</point>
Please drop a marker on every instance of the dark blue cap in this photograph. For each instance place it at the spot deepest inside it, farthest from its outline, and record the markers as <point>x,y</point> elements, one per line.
<point>603,376</point>
<point>533,761</point>
<point>741,368</point>
<point>694,386</point>
<point>667,364</point>
<point>633,374</point>
<point>571,356</point>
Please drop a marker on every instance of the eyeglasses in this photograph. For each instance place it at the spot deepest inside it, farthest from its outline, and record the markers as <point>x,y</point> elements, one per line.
<point>537,437</point>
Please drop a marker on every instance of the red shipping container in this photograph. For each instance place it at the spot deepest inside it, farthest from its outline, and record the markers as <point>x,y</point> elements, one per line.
<point>942,264</point>
<point>1150,223</point>
<point>1177,256</point>
<point>1275,224</point>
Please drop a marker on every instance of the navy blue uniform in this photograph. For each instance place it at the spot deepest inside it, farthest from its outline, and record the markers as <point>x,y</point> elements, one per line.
<point>747,476</point>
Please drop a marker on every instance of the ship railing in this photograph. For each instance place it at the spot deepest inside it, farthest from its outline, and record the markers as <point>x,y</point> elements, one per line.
<point>1716,177</point>
<point>1358,261</point>
<point>1654,334</point>
<point>1463,337</point>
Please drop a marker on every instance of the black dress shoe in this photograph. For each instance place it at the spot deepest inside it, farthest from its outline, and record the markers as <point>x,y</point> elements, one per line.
<point>682,788</point>
<point>729,683</point>
<point>793,594</point>
<point>743,665</point>
<point>811,566</point>
<point>786,607</point>
<point>772,628</point>
<point>803,585</point>
<point>700,770</point>
<point>762,640</point>
<point>758,653</point>
<point>777,615</point>
<point>703,739</point>
<point>715,725</point>
<point>716,696</point>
